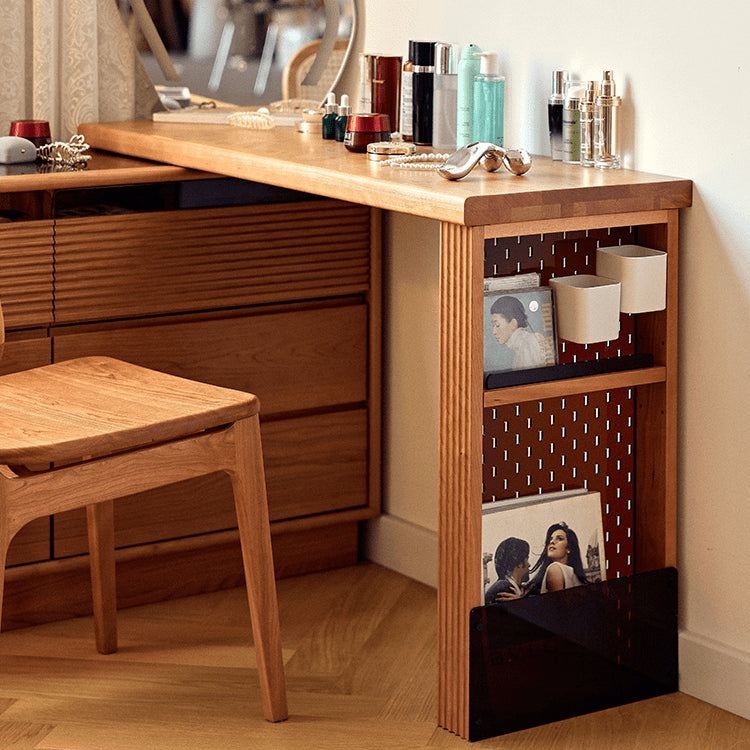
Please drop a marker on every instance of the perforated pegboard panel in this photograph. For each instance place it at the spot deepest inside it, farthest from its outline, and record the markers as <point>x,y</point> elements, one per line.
<point>587,440</point>
<point>563,254</point>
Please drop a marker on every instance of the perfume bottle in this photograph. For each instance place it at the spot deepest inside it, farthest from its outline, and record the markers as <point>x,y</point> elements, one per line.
<point>422,92</point>
<point>445,91</point>
<point>607,124</point>
<point>588,132</point>
<point>489,101</point>
<point>555,113</point>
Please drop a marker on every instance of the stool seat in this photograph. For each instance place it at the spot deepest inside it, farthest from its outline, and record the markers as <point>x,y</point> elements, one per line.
<point>85,432</point>
<point>93,406</point>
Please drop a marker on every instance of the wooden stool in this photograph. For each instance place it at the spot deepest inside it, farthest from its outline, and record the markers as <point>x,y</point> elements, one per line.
<point>109,429</point>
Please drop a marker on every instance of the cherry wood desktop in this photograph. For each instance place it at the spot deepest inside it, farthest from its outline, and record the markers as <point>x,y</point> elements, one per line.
<point>571,205</point>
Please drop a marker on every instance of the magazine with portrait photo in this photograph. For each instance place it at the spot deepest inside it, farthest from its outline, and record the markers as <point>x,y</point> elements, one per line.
<point>540,543</point>
<point>519,330</point>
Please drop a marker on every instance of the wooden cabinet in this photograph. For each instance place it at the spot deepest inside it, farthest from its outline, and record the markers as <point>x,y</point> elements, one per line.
<point>280,299</point>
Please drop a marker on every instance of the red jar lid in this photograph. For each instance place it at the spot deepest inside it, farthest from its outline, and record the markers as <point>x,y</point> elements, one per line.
<point>368,123</point>
<point>30,129</point>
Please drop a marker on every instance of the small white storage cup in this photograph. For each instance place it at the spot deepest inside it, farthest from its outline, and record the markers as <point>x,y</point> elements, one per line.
<point>587,308</point>
<point>642,273</point>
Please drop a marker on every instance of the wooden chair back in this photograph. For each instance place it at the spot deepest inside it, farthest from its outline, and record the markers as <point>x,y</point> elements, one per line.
<point>299,65</point>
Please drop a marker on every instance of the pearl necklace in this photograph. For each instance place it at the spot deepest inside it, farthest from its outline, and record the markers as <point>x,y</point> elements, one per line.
<point>417,161</point>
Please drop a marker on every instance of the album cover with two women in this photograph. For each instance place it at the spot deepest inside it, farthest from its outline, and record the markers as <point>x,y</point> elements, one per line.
<point>540,543</point>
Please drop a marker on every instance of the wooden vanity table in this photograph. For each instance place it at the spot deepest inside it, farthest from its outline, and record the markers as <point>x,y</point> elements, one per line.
<point>495,224</point>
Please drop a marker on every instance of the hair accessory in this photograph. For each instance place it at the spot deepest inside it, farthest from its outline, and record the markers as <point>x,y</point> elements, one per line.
<point>251,120</point>
<point>69,154</point>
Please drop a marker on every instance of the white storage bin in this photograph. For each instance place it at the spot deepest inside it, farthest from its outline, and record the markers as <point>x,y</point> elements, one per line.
<point>642,273</point>
<point>587,308</point>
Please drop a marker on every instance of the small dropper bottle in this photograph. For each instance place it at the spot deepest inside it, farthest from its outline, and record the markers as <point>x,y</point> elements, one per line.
<point>607,124</point>
<point>329,118</point>
<point>341,119</point>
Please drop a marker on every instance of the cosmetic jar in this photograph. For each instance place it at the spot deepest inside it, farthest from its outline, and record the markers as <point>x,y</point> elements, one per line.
<point>36,131</point>
<point>388,149</point>
<point>363,129</point>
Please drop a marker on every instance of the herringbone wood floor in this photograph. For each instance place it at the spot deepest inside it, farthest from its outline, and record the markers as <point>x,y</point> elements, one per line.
<point>360,653</point>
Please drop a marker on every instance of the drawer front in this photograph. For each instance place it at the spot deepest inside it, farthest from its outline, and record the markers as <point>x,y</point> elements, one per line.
<point>314,464</point>
<point>131,265</point>
<point>26,273</point>
<point>293,360</point>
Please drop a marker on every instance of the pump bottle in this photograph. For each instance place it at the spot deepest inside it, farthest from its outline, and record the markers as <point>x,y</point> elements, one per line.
<point>588,132</point>
<point>607,124</point>
<point>422,92</point>
<point>489,101</point>
<point>555,113</point>
<point>444,107</point>
<point>407,76</point>
<point>468,70</point>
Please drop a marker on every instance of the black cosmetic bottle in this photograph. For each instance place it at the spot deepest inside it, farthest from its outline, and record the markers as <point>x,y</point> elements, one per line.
<point>422,83</point>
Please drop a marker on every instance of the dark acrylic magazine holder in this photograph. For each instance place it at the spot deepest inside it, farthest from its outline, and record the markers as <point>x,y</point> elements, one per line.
<point>567,653</point>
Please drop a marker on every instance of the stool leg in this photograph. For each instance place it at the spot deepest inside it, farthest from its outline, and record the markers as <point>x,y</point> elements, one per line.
<point>101,531</point>
<point>248,481</point>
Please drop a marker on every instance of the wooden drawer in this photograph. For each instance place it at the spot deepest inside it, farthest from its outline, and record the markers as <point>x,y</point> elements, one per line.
<point>26,273</point>
<point>314,464</point>
<point>294,360</point>
<point>165,262</point>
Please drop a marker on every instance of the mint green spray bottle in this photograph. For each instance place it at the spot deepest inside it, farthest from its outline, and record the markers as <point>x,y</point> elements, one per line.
<point>467,70</point>
<point>489,101</point>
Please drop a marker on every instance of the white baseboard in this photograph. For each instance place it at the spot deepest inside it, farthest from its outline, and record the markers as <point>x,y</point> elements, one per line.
<point>402,546</point>
<point>715,673</point>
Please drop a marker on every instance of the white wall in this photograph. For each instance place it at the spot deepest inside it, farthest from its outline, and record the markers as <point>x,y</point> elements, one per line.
<point>683,69</point>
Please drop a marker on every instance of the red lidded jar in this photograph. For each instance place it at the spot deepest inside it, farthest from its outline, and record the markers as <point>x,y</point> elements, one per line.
<point>362,129</point>
<point>36,131</point>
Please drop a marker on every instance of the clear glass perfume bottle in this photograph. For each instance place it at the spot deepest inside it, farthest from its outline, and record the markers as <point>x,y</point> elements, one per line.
<point>607,125</point>
<point>588,132</point>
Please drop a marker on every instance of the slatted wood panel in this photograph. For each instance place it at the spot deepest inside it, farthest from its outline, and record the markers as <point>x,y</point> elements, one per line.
<point>165,262</point>
<point>26,273</point>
